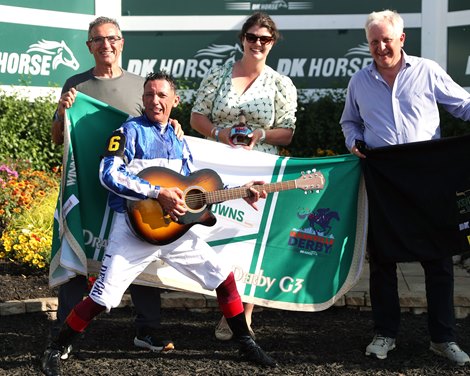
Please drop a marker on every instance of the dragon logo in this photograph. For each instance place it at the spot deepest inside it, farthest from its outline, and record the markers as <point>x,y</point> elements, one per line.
<point>222,51</point>
<point>63,54</point>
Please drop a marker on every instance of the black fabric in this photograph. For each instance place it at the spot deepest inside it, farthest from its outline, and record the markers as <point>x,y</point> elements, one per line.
<point>116,145</point>
<point>412,189</point>
<point>239,327</point>
<point>463,213</point>
<point>385,301</point>
<point>65,337</point>
<point>147,302</point>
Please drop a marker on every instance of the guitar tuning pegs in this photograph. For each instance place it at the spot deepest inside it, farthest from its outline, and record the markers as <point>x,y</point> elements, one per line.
<point>317,191</point>
<point>309,172</point>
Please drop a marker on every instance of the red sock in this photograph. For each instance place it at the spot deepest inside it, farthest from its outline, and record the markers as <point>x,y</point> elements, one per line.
<point>83,313</point>
<point>229,299</point>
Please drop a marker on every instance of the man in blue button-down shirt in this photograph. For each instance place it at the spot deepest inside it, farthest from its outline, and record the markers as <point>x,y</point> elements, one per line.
<point>394,101</point>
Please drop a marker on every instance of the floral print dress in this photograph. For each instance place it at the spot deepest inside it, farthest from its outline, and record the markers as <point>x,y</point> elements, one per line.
<point>269,103</point>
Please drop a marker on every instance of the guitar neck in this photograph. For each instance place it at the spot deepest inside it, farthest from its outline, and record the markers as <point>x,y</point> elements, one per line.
<point>241,192</point>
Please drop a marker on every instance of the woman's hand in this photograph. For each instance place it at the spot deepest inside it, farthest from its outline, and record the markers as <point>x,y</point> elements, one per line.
<point>255,137</point>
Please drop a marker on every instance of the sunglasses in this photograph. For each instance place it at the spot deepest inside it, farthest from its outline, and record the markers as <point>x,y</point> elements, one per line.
<point>252,38</point>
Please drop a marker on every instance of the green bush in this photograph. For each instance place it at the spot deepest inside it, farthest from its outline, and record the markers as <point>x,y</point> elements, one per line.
<point>317,126</point>
<point>318,129</point>
<point>451,126</point>
<point>25,131</point>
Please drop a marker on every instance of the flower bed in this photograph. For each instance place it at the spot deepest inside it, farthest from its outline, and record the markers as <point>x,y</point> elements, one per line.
<point>27,203</point>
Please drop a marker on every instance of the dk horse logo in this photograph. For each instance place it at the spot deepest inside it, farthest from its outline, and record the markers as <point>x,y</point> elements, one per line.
<point>225,51</point>
<point>63,54</point>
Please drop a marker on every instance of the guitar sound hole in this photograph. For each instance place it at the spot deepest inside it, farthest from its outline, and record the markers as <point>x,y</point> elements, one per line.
<point>195,200</point>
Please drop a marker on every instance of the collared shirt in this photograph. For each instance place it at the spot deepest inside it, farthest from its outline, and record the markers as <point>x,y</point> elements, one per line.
<point>381,115</point>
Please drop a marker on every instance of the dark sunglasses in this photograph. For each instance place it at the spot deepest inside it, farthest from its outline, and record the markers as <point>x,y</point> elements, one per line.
<point>252,38</point>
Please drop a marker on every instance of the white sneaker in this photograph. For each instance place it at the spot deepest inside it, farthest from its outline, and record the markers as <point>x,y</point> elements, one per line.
<point>223,331</point>
<point>66,352</point>
<point>451,351</point>
<point>380,346</point>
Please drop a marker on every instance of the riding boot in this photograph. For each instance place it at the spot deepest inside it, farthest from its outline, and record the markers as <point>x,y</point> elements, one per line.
<point>249,349</point>
<point>50,361</point>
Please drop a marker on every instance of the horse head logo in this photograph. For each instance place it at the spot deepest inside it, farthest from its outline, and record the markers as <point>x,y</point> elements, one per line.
<point>361,49</point>
<point>63,54</point>
<point>280,4</point>
<point>319,220</point>
<point>221,50</point>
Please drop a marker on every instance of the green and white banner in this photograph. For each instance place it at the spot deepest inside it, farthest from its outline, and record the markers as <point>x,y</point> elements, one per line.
<point>300,251</point>
<point>323,43</point>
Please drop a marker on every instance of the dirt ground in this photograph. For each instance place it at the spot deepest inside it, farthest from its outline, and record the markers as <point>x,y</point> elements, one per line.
<point>327,343</point>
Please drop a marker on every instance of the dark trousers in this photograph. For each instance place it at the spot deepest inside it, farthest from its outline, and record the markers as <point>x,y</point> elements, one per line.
<point>439,278</point>
<point>146,301</point>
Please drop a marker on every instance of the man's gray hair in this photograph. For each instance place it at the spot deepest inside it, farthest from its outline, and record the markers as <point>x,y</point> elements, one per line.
<point>390,16</point>
<point>101,21</point>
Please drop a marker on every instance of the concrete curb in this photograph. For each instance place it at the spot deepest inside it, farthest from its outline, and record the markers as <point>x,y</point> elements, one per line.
<point>410,284</point>
<point>410,302</point>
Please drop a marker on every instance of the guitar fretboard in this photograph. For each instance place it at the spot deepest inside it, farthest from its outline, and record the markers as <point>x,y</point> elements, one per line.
<point>241,192</point>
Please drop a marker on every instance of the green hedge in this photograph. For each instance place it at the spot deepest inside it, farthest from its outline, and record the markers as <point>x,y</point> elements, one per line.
<point>25,129</point>
<point>318,132</point>
<point>317,126</point>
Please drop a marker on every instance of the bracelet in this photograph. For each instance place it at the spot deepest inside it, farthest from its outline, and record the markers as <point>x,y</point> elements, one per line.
<point>263,136</point>
<point>217,131</point>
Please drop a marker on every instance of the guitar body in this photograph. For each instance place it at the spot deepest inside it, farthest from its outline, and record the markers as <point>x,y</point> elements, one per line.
<point>148,218</point>
<point>200,189</point>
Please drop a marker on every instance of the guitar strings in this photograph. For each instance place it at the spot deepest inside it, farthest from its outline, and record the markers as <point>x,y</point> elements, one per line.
<point>202,198</point>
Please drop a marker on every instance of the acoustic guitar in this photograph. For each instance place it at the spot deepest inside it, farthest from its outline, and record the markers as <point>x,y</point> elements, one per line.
<point>201,189</point>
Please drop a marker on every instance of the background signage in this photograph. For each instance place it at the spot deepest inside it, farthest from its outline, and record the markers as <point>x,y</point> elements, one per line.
<point>41,56</point>
<point>274,7</point>
<point>323,43</point>
<point>320,65</point>
<point>458,61</point>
